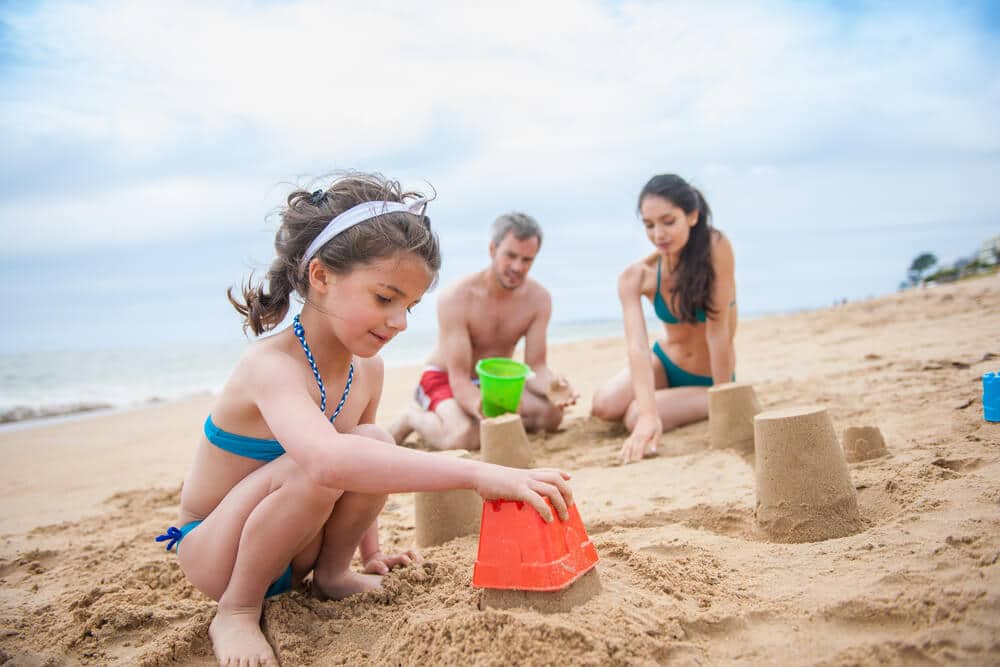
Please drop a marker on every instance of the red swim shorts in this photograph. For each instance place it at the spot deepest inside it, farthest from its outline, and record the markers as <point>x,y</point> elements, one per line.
<point>433,388</point>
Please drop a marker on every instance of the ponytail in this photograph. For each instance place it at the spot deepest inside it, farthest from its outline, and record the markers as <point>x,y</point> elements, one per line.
<point>263,310</point>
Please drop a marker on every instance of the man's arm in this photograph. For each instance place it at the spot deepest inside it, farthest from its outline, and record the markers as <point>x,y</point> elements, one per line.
<point>535,345</point>
<point>456,346</point>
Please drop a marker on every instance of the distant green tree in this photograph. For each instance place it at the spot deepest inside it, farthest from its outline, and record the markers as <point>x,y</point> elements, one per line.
<point>921,264</point>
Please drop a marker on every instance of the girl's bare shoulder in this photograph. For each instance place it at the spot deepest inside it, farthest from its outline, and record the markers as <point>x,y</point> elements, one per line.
<point>267,358</point>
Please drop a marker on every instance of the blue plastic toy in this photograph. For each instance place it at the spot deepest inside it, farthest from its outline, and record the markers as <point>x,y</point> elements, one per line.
<point>991,397</point>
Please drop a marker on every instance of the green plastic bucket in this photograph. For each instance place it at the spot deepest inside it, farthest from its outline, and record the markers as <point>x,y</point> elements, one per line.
<point>501,382</point>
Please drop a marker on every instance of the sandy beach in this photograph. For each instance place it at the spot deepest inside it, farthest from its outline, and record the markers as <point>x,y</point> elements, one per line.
<point>684,580</point>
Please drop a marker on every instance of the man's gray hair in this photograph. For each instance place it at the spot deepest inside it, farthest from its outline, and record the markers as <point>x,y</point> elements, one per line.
<point>523,227</point>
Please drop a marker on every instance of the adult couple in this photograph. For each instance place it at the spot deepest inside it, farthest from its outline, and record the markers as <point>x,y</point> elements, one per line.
<point>688,279</point>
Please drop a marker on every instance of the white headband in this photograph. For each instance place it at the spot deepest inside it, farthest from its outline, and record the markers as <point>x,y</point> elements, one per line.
<point>357,214</point>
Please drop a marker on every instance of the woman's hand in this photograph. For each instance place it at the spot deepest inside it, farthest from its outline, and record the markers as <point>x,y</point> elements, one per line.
<point>379,563</point>
<point>644,439</point>
<point>533,486</point>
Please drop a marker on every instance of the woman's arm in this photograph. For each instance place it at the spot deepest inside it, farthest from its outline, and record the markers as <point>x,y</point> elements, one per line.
<point>637,339</point>
<point>646,434</point>
<point>718,327</point>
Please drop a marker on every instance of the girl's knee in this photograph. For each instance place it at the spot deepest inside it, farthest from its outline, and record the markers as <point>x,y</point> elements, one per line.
<point>305,486</point>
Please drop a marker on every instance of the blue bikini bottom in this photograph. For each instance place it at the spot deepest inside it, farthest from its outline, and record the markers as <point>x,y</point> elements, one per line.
<point>175,535</point>
<point>677,376</point>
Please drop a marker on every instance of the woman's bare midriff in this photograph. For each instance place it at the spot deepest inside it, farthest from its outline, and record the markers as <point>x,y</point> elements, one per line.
<point>687,347</point>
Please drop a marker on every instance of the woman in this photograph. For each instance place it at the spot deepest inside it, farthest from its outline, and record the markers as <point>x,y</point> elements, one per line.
<point>689,280</point>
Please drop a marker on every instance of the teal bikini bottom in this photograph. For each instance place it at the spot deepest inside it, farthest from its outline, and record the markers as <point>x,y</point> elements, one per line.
<point>175,535</point>
<point>677,376</point>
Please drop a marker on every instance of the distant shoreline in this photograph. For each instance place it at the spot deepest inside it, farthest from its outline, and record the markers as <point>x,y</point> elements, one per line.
<point>20,416</point>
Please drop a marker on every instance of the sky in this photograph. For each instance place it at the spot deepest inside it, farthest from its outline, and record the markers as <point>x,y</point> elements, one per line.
<point>145,147</point>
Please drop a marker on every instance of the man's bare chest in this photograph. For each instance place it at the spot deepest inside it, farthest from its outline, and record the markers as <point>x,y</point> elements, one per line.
<point>492,327</point>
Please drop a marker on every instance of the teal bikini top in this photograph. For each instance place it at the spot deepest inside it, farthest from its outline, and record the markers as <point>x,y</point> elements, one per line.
<point>661,307</point>
<point>268,450</point>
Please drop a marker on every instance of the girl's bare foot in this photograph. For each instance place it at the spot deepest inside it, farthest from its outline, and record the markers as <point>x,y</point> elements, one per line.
<point>237,639</point>
<point>345,584</point>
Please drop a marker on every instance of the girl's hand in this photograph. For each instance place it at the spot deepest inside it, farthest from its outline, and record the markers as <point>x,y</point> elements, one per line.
<point>645,438</point>
<point>533,486</point>
<point>379,563</point>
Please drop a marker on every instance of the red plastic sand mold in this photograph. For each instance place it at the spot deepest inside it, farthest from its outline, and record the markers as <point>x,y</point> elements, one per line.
<point>518,550</point>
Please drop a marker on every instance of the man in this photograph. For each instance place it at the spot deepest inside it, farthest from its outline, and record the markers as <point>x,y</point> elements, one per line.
<point>485,315</point>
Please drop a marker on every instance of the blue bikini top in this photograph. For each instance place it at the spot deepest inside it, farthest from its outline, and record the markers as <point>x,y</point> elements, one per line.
<point>268,450</point>
<point>661,307</point>
<point>242,445</point>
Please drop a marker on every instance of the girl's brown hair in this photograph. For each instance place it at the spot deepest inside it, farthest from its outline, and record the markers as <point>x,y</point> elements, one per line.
<point>306,215</point>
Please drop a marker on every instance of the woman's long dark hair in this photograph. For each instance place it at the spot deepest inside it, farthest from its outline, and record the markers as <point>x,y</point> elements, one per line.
<point>692,288</point>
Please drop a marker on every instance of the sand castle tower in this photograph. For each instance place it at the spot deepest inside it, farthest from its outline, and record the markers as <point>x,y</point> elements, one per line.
<point>503,441</point>
<point>804,490</point>
<point>731,409</point>
<point>445,515</point>
<point>862,443</point>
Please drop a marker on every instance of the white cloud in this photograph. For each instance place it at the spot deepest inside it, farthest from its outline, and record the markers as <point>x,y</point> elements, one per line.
<point>573,99</point>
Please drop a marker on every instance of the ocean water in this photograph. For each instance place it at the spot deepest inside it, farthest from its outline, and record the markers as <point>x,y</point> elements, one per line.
<point>37,386</point>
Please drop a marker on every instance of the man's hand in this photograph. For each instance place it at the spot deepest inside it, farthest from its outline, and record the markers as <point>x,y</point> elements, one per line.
<point>379,563</point>
<point>560,393</point>
<point>644,439</point>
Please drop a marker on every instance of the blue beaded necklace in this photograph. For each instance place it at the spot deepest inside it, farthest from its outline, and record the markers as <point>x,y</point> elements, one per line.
<point>300,333</point>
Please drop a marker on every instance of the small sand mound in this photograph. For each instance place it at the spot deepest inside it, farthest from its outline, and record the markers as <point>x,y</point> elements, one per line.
<point>862,443</point>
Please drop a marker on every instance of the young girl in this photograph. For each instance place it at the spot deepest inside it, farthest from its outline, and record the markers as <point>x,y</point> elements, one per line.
<point>690,281</point>
<point>292,471</point>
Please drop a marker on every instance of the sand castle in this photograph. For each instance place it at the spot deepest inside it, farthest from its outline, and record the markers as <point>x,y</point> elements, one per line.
<point>504,442</point>
<point>804,489</point>
<point>445,515</point>
<point>862,443</point>
<point>731,409</point>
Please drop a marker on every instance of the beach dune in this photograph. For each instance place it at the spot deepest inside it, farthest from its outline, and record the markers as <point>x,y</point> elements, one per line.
<point>684,579</point>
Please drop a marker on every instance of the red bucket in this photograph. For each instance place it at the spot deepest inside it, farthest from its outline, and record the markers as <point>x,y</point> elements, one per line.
<point>519,550</point>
